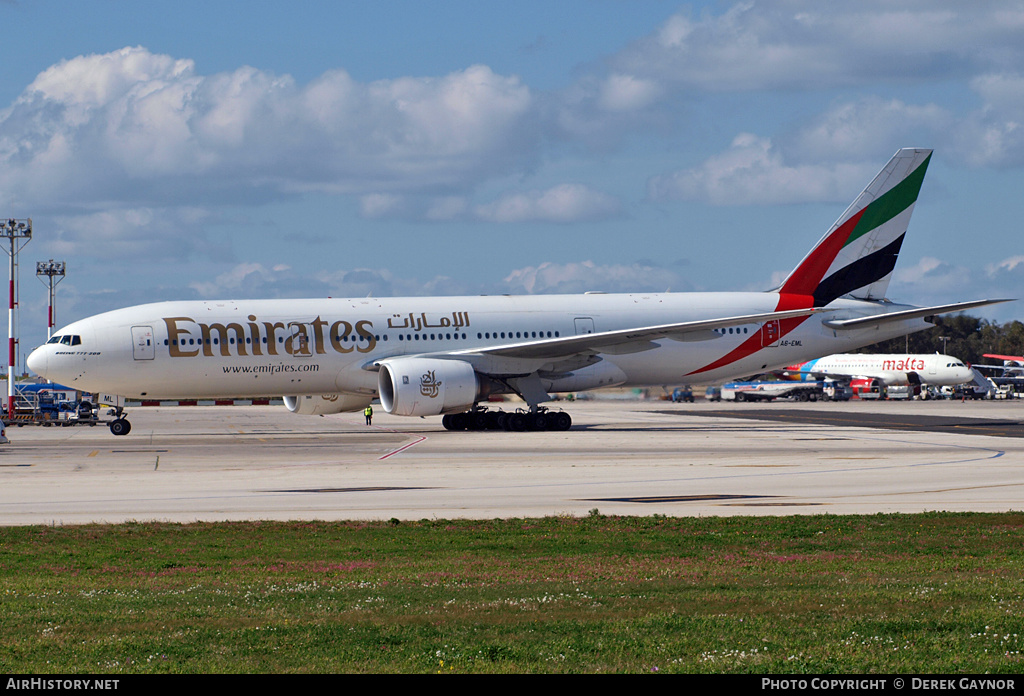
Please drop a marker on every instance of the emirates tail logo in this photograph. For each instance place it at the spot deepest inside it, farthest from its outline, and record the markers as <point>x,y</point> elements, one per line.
<point>429,386</point>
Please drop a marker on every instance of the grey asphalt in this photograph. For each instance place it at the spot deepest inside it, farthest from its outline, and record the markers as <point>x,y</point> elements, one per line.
<point>623,457</point>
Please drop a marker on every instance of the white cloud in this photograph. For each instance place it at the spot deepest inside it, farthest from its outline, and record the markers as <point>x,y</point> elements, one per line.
<point>563,203</point>
<point>754,172</point>
<point>870,128</point>
<point>235,278</point>
<point>446,208</point>
<point>375,205</point>
<point>132,126</point>
<point>588,276</point>
<point>131,234</point>
<point>994,134</point>
<point>413,207</point>
<point>627,93</point>
<point>801,44</point>
<point>256,280</point>
<point>932,280</point>
<point>1013,264</point>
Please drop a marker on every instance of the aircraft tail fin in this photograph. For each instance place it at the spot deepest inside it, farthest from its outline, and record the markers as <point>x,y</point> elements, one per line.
<point>857,255</point>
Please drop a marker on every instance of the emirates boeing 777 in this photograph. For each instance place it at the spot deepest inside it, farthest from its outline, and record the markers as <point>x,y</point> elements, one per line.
<point>446,355</point>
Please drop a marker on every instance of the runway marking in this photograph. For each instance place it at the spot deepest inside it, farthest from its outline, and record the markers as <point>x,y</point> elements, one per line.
<point>960,488</point>
<point>675,498</point>
<point>930,423</point>
<point>402,449</point>
<point>772,504</point>
<point>365,489</point>
<point>759,466</point>
<point>93,453</point>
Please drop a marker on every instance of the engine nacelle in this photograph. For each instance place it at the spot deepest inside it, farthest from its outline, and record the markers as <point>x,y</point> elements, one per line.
<point>321,404</point>
<point>426,386</point>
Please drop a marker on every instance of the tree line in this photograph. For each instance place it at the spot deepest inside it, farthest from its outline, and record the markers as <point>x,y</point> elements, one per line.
<point>960,336</point>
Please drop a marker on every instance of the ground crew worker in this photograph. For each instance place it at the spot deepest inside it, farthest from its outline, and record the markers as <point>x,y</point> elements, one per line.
<point>368,412</point>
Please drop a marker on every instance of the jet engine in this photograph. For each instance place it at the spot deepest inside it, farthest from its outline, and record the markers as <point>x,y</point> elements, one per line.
<point>320,404</point>
<point>427,386</point>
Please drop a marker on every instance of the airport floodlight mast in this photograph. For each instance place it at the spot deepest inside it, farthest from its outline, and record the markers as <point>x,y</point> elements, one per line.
<point>18,233</point>
<point>53,272</point>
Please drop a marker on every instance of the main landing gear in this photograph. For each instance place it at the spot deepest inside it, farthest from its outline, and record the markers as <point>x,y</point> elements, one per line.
<point>519,421</point>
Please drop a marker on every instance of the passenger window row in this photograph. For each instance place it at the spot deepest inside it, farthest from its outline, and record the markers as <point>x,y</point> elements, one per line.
<point>354,338</point>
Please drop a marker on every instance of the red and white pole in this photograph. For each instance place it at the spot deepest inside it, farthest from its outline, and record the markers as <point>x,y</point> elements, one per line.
<point>19,232</point>
<point>10,337</point>
<point>51,273</point>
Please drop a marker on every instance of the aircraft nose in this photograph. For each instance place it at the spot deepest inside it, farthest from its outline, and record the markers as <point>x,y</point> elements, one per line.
<point>37,361</point>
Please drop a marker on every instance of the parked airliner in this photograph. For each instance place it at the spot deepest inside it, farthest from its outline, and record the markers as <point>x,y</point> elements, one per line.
<point>1013,365</point>
<point>890,370</point>
<point>447,355</point>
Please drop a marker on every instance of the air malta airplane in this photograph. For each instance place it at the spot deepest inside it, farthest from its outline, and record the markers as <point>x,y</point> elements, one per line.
<point>891,370</point>
<point>447,355</point>
<point>1013,365</point>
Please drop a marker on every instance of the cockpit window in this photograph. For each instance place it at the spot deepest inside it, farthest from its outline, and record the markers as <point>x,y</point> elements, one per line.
<point>68,340</point>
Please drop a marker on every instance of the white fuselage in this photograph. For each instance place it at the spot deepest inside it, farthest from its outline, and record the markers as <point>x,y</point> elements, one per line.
<point>242,348</point>
<point>892,370</point>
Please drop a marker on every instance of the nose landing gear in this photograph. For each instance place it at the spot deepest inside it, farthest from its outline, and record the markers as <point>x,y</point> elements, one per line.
<point>120,424</point>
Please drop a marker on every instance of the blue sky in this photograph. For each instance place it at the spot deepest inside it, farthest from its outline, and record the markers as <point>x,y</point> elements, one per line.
<point>197,150</point>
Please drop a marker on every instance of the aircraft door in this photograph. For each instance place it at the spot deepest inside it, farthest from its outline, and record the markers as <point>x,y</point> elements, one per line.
<point>584,325</point>
<point>143,344</point>
<point>770,334</point>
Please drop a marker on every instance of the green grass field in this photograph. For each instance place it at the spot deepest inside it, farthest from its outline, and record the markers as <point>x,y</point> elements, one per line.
<point>940,593</point>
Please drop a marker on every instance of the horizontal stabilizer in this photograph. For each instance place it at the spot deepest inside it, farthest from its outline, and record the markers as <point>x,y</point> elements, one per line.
<point>916,313</point>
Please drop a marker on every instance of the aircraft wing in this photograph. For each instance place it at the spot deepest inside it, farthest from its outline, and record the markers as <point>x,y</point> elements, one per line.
<point>1012,364</point>
<point>627,340</point>
<point>513,356</point>
<point>1012,358</point>
<point>630,340</point>
<point>916,313</point>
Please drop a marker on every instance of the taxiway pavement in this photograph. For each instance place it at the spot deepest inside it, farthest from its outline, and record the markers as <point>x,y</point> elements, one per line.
<point>621,457</point>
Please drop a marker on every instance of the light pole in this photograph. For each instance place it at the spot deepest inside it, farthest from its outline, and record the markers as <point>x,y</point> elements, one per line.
<point>943,339</point>
<point>53,271</point>
<point>18,233</point>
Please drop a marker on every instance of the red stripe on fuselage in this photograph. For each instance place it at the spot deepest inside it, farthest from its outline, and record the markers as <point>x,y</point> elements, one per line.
<point>753,344</point>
